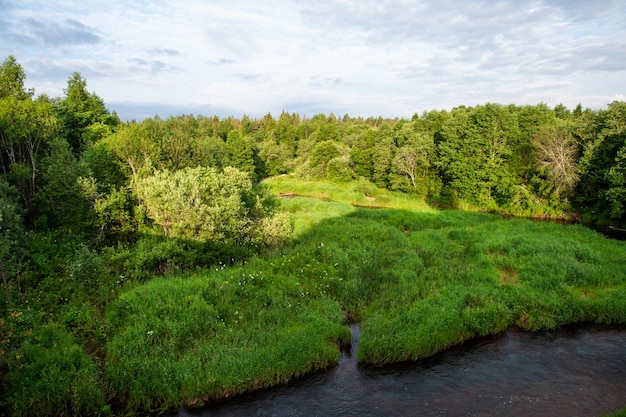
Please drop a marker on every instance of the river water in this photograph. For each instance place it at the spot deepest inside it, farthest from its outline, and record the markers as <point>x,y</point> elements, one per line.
<point>576,371</point>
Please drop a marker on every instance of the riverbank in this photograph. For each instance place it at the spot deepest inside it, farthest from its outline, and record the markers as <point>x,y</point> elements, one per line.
<point>578,370</point>
<point>419,283</point>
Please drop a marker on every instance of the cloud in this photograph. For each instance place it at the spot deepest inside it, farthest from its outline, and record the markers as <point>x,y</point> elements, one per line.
<point>165,51</point>
<point>359,57</point>
<point>221,61</point>
<point>31,31</point>
<point>62,69</point>
<point>153,66</point>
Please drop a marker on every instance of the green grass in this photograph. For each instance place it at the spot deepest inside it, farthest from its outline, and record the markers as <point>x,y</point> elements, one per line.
<point>181,342</point>
<point>482,278</point>
<point>418,281</point>
<point>356,193</point>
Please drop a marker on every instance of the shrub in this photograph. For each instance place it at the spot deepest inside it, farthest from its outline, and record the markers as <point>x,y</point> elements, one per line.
<point>50,375</point>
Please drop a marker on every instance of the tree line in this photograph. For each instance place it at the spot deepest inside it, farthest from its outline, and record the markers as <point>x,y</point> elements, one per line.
<point>526,160</point>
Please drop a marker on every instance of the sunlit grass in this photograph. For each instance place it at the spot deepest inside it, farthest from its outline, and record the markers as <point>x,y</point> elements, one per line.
<point>357,193</point>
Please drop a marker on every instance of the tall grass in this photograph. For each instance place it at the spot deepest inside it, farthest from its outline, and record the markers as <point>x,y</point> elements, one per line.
<point>418,281</point>
<point>487,276</point>
<point>56,377</point>
<point>181,342</point>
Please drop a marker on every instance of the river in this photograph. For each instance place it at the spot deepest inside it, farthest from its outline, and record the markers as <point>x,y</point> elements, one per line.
<point>576,371</point>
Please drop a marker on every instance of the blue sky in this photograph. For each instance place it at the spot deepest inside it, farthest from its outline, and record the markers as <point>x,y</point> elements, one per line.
<point>362,58</point>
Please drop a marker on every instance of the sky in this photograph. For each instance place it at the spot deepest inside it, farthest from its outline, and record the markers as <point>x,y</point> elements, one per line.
<point>361,58</point>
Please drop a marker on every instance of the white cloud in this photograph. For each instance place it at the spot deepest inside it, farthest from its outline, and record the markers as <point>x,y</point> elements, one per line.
<point>369,58</point>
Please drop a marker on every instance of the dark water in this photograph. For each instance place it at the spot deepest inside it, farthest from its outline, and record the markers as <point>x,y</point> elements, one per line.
<point>577,371</point>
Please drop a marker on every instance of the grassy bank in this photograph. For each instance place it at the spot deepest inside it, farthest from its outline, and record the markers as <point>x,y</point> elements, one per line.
<point>182,342</point>
<point>418,281</point>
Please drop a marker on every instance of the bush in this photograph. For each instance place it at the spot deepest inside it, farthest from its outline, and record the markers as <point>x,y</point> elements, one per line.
<point>49,375</point>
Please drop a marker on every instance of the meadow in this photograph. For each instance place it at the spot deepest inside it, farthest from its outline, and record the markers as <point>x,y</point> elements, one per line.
<point>418,280</point>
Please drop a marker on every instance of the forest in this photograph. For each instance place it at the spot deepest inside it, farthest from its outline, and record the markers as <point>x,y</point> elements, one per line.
<point>106,223</point>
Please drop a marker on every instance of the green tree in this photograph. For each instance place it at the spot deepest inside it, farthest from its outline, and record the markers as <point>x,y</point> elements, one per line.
<point>205,205</point>
<point>414,160</point>
<point>239,153</point>
<point>113,211</point>
<point>361,153</point>
<point>209,151</point>
<point>382,155</point>
<point>25,126</point>
<point>473,152</point>
<point>615,194</point>
<point>178,140</point>
<point>286,132</point>
<point>406,162</point>
<point>328,131</point>
<point>12,78</point>
<point>523,155</point>
<point>414,156</point>
<point>600,189</point>
<point>322,154</point>
<point>275,158</point>
<point>198,203</point>
<point>11,236</point>
<point>137,144</point>
<point>62,192</point>
<point>105,167</point>
<point>83,116</point>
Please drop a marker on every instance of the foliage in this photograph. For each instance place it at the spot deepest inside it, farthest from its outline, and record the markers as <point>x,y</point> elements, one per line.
<point>473,154</point>
<point>144,268</point>
<point>26,125</point>
<point>12,78</point>
<point>62,201</point>
<point>56,377</point>
<point>206,205</point>
<point>601,188</point>
<point>11,242</point>
<point>83,116</point>
<point>239,153</point>
<point>322,154</point>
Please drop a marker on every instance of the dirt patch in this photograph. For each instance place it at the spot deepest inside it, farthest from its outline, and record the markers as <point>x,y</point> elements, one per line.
<point>508,276</point>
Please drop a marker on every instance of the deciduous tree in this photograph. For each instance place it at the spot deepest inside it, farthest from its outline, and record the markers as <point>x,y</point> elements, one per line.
<point>198,203</point>
<point>25,125</point>
<point>12,78</point>
<point>556,153</point>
